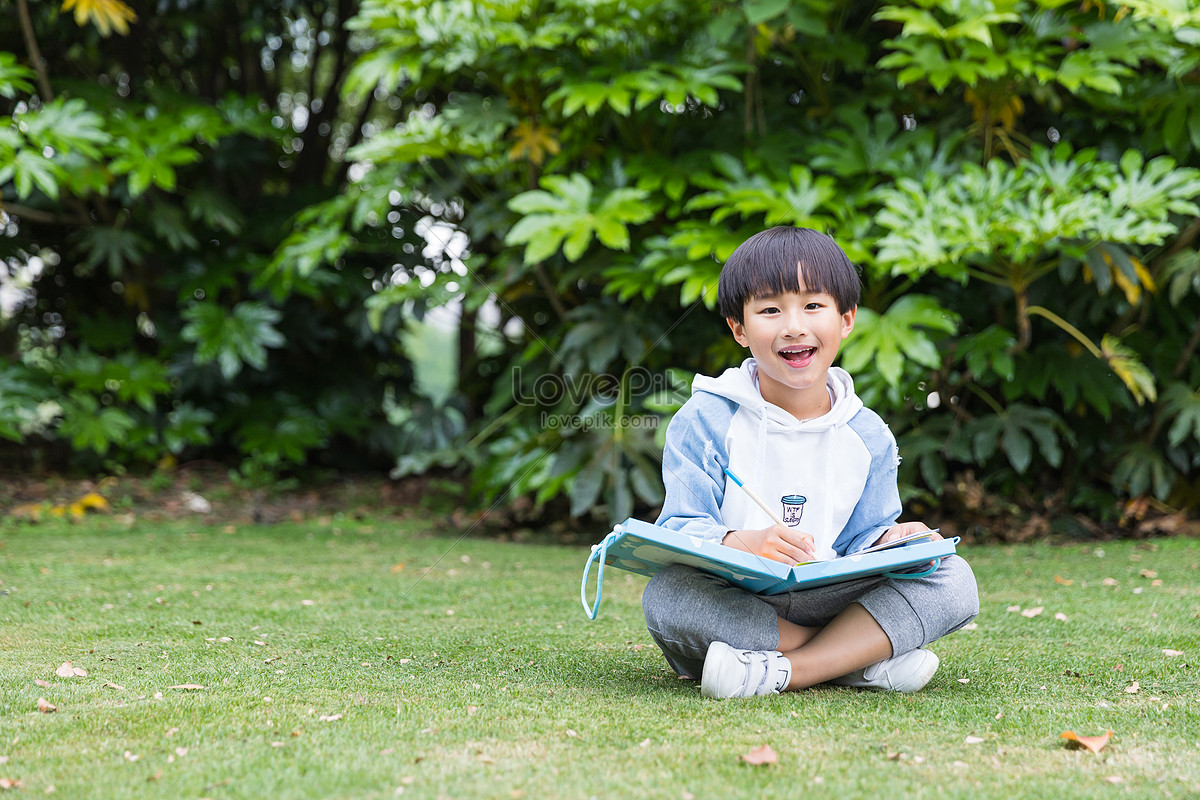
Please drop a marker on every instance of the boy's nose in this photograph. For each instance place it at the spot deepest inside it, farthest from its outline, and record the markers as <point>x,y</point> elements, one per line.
<point>794,327</point>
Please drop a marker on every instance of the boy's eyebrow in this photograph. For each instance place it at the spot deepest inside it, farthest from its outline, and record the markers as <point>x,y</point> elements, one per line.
<point>776,295</point>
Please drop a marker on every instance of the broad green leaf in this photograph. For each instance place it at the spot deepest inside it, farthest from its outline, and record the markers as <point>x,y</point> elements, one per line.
<point>1182,403</point>
<point>67,126</point>
<point>1130,369</point>
<point>232,339</point>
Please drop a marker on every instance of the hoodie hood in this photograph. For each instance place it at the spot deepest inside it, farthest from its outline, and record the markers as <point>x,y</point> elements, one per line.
<point>740,384</point>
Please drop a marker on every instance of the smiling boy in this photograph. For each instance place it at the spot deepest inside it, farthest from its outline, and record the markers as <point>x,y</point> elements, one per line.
<point>790,424</point>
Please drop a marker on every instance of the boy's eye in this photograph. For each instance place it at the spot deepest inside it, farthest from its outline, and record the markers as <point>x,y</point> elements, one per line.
<point>769,310</point>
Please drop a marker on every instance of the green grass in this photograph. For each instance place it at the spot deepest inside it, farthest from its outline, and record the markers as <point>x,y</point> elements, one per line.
<point>471,671</point>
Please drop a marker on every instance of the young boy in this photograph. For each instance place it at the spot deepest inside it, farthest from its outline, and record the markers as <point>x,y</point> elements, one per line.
<point>790,425</point>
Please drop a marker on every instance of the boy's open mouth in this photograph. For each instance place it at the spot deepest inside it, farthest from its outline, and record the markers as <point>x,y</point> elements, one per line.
<point>797,353</point>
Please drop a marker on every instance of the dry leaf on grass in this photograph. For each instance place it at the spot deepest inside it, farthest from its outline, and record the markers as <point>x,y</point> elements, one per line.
<point>1132,688</point>
<point>11,783</point>
<point>189,686</point>
<point>329,717</point>
<point>973,740</point>
<point>45,706</point>
<point>1059,579</point>
<point>1169,652</point>
<point>761,755</point>
<point>1060,616</point>
<point>42,683</point>
<point>1093,743</point>
<point>69,671</point>
<point>1032,612</point>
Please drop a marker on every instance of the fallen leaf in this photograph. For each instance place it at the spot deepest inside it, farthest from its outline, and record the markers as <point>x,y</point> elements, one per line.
<point>1132,688</point>
<point>308,602</point>
<point>1169,652</point>
<point>42,683</point>
<point>1064,581</point>
<point>1148,573</point>
<point>1156,582</point>
<point>761,755</point>
<point>1060,616</point>
<point>1011,609</point>
<point>964,680</point>
<point>1115,779</point>
<point>11,783</point>
<point>93,500</point>
<point>1032,612</point>
<point>644,743</point>
<point>111,685</point>
<point>68,671</point>
<point>45,706</point>
<point>1093,743</point>
<point>1110,582</point>
<point>186,686</point>
<point>973,740</point>
<point>398,567</point>
<point>329,717</point>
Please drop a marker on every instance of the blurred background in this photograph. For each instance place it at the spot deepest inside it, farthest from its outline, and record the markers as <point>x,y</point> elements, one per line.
<point>477,243</point>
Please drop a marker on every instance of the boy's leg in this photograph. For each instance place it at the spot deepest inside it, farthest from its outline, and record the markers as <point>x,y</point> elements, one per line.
<point>687,610</point>
<point>878,620</point>
<point>826,632</point>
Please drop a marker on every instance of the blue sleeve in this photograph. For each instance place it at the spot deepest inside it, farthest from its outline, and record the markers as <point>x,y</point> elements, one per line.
<point>879,506</point>
<point>694,461</point>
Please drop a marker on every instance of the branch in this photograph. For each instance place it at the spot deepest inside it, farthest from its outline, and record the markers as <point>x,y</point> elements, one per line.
<point>36,215</point>
<point>1188,351</point>
<point>35,55</point>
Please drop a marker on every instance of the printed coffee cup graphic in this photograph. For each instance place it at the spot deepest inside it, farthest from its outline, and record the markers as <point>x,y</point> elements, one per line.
<point>793,509</point>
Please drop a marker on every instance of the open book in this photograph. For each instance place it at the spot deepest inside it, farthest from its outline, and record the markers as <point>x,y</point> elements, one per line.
<point>643,548</point>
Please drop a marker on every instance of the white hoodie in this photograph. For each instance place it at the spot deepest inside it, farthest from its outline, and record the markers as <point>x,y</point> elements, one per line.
<point>833,477</point>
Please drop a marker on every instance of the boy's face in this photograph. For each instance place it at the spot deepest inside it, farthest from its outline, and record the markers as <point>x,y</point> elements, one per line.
<point>794,337</point>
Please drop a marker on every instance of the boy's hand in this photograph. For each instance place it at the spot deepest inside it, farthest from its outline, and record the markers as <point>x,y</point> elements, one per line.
<point>778,542</point>
<point>906,529</point>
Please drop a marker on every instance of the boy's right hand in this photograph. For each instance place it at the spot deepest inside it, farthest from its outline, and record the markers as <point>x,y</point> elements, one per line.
<point>778,542</point>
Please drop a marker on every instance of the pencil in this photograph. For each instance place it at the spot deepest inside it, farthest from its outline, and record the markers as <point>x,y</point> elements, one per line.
<point>771,513</point>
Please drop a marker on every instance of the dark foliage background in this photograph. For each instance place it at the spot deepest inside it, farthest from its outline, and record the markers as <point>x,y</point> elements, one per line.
<point>221,219</point>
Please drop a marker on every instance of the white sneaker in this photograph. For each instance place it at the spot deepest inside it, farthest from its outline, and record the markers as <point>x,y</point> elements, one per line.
<point>743,673</point>
<point>908,672</point>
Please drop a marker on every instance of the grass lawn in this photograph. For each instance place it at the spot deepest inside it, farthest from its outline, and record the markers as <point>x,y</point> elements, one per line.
<point>374,659</point>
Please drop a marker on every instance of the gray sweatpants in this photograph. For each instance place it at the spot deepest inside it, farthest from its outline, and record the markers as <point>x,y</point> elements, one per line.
<point>687,610</point>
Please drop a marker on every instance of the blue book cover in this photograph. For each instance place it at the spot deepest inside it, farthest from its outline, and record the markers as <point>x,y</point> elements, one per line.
<point>637,546</point>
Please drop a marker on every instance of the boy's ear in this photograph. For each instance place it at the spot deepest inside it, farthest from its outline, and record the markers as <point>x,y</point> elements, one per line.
<point>739,331</point>
<point>848,321</point>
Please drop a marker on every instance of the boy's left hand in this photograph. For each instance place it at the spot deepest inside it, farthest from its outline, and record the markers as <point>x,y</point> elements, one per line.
<point>903,529</point>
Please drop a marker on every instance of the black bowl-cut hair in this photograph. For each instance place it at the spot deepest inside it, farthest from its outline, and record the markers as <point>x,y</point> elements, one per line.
<point>772,262</point>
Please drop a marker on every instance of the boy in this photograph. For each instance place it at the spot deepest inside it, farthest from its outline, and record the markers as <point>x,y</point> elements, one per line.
<point>790,424</point>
